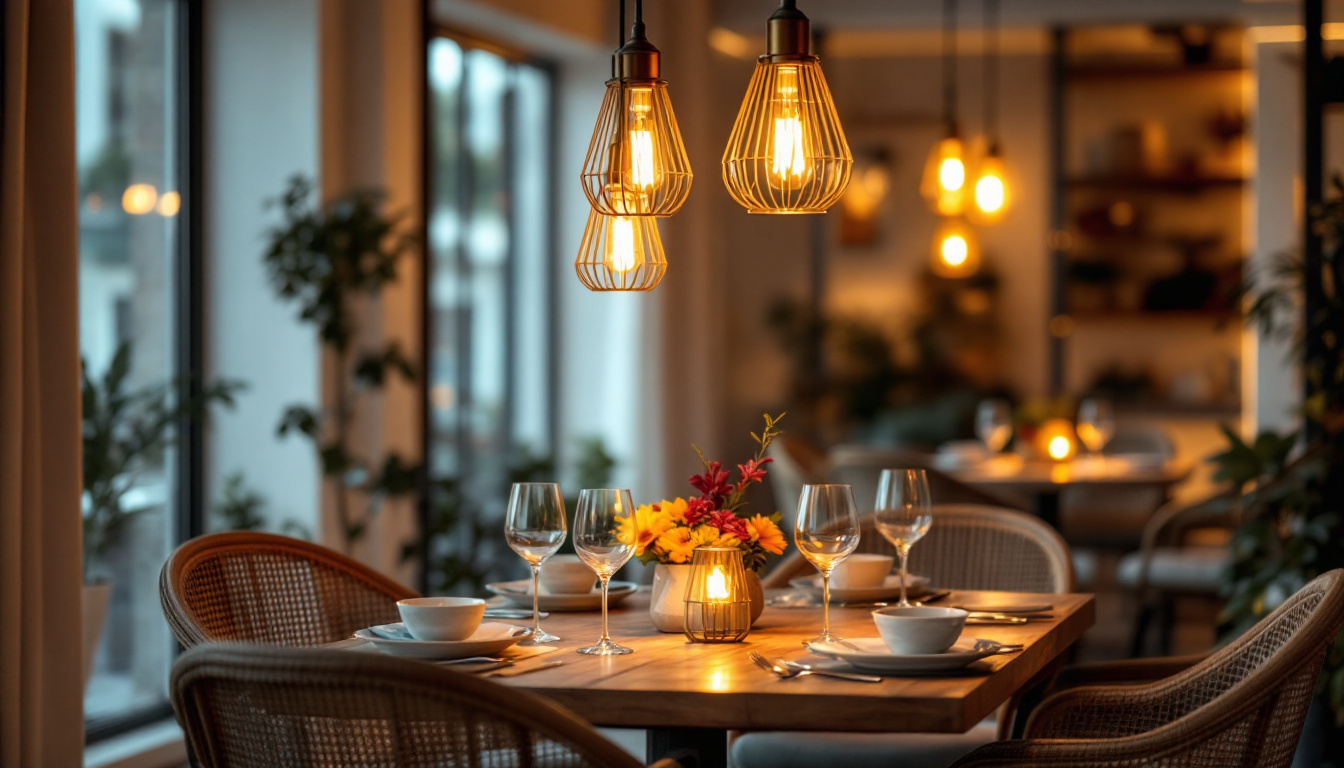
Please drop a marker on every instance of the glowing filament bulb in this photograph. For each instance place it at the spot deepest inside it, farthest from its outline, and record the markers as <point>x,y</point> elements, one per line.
<point>989,194</point>
<point>621,250</point>
<point>952,173</point>
<point>643,174</point>
<point>788,163</point>
<point>716,585</point>
<point>955,250</point>
<point>1060,447</point>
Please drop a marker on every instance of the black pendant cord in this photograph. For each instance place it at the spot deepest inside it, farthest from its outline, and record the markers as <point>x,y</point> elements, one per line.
<point>950,65</point>
<point>991,84</point>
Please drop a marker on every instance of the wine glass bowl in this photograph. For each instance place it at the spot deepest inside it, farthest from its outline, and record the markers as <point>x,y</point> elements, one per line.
<point>903,514</point>
<point>994,424</point>
<point>598,542</point>
<point>1096,423</point>
<point>535,528</point>
<point>826,532</point>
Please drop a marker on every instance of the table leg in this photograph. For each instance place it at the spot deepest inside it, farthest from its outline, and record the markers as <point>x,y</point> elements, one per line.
<point>1047,508</point>
<point>692,747</point>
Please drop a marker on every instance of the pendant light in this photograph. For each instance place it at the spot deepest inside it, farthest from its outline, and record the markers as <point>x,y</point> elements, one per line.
<point>990,191</point>
<point>955,251</point>
<point>636,163</point>
<point>636,170</point>
<point>787,152</point>
<point>945,183</point>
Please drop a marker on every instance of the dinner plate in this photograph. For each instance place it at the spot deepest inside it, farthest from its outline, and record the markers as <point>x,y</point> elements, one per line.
<point>488,639</point>
<point>520,593</point>
<point>874,655</point>
<point>890,588</point>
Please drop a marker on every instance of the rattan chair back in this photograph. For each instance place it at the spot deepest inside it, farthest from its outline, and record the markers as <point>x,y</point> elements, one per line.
<point>249,706</point>
<point>971,546</point>
<point>1243,705</point>
<point>277,590</point>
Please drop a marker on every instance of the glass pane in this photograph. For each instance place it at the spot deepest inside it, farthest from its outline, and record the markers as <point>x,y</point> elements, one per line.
<point>445,240</point>
<point>127,150</point>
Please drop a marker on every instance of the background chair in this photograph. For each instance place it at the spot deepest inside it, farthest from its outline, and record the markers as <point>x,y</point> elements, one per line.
<point>796,463</point>
<point>860,467</point>
<point>263,588</point>
<point>247,705</point>
<point>1113,517</point>
<point>967,547</point>
<point>1243,705</point>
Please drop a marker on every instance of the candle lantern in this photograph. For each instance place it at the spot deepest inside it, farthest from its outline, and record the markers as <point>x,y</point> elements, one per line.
<point>718,607</point>
<point>1055,440</point>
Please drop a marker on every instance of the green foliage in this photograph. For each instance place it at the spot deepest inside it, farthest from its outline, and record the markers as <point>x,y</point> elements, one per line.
<point>240,510</point>
<point>323,258</point>
<point>125,434</point>
<point>1292,529</point>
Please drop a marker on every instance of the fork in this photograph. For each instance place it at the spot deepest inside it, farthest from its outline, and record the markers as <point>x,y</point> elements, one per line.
<point>474,660</point>
<point>788,669</point>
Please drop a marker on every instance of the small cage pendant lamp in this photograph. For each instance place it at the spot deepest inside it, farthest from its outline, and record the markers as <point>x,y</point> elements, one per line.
<point>718,608</point>
<point>944,185</point>
<point>620,253</point>
<point>636,163</point>
<point>787,152</point>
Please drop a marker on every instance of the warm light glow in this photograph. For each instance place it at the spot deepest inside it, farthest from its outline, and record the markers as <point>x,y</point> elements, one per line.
<point>716,584</point>
<point>1060,448</point>
<point>788,164</point>
<point>1056,439</point>
<point>955,251</point>
<point>621,246</point>
<point>139,199</point>
<point>636,163</point>
<point>991,189</point>
<point>989,194</point>
<point>944,184</point>
<point>169,204</point>
<point>642,172</point>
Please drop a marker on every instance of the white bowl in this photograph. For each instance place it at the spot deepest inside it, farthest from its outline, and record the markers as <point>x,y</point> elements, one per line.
<point>861,570</point>
<point>441,618</point>
<point>566,575</point>
<point>913,631</point>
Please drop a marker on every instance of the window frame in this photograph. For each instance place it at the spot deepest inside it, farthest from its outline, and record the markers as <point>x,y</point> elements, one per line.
<point>434,30</point>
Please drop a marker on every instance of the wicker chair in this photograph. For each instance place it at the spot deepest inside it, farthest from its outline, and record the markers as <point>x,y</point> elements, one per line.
<point>248,705</point>
<point>263,588</point>
<point>968,547</point>
<point>1241,706</point>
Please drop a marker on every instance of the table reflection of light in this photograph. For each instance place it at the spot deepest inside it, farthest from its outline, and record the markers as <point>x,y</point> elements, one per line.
<point>1059,473</point>
<point>718,680</point>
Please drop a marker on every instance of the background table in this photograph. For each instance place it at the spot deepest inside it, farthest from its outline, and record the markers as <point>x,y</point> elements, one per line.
<point>689,695</point>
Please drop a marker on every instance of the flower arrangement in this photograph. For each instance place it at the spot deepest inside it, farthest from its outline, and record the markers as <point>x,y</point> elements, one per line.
<point>669,531</point>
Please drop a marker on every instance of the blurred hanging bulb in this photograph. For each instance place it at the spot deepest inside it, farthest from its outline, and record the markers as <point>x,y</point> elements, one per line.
<point>955,251</point>
<point>991,188</point>
<point>139,199</point>
<point>944,184</point>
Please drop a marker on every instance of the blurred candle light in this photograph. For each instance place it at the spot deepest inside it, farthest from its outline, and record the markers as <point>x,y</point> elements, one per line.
<point>955,251</point>
<point>169,204</point>
<point>139,199</point>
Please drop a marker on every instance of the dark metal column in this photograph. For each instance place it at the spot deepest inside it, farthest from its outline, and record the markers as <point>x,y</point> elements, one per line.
<point>1313,101</point>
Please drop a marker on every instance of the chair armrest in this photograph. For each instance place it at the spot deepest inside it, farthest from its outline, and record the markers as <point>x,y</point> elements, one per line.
<point>1125,671</point>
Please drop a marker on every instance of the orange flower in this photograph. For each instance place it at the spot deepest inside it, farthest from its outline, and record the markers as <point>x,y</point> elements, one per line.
<point>767,534</point>
<point>678,543</point>
<point>675,510</point>
<point>643,527</point>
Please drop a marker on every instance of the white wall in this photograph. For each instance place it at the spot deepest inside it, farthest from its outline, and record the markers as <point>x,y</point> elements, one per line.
<point>261,114</point>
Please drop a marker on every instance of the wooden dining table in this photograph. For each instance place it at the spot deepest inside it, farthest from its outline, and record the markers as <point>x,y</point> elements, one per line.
<point>689,695</point>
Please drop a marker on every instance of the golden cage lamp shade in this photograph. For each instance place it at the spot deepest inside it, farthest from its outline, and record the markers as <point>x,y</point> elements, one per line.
<point>620,253</point>
<point>955,251</point>
<point>636,163</point>
<point>718,606</point>
<point>787,152</point>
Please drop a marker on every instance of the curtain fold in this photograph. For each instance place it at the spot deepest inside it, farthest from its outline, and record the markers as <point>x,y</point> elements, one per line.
<point>41,684</point>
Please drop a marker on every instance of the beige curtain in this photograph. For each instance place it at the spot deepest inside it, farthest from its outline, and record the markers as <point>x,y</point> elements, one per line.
<point>41,686</point>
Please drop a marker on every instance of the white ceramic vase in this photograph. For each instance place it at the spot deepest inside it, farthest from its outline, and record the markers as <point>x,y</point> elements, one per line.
<point>667,603</point>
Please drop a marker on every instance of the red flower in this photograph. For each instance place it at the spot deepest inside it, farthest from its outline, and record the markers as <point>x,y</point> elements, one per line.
<point>713,484</point>
<point>729,523</point>
<point>697,510</point>
<point>753,471</point>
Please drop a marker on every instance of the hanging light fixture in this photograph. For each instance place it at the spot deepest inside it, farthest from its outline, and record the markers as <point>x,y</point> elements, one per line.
<point>787,152</point>
<point>636,163</point>
<point>945,181</point>
<point>956,250</point>
<point>620,253</point>
<point>991,196</point>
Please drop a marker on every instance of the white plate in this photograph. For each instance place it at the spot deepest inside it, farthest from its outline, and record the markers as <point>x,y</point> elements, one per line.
<point>874,655</point>
<point>520,594</point>
<point>488,639</point>
<point>890,588</point>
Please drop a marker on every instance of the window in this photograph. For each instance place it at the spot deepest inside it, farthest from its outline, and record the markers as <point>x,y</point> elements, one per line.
<point>489,267</point>
<point>129,69</point>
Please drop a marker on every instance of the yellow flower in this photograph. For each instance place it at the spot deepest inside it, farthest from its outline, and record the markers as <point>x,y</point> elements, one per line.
<point>643,527</point>
<point>709,536</point>
<point>675,510</point>
<point>678,543</point>
<point>767,534</point>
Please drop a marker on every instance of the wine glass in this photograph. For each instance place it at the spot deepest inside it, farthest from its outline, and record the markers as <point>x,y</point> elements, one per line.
<point>1096,423</point>
<point>904,513</point>
<point>826,532</point>
<point>597,539</point>
<point>535,528</point>
<point>994,424</point>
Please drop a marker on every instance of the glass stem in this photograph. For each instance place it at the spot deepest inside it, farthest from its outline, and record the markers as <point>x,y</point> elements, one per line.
<point>825,604</point>
<point>904,552</point>
<point>536,600</point>
<point>605,580</point>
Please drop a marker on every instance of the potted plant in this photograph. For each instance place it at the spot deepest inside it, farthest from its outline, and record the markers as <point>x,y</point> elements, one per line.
<point>125,434</point>
<point>668,532</point>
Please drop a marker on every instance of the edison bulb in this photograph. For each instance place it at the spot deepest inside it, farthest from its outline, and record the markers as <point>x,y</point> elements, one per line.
<point>955,251</point>
<point>636,164</point>
<point>944,184</point>
<point>643,170</point>
<point>788,162</point>
<point>622,251</point>
<point>991,189</point>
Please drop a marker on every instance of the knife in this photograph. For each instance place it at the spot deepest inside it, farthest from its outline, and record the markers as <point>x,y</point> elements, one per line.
<point>515,671</point>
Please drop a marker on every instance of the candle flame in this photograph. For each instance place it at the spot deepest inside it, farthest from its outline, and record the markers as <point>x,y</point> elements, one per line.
<point>716,586</point>
<point>1060,447</point>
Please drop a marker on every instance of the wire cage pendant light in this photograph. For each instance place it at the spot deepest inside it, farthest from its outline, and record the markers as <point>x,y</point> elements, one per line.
<point>636,163</point>
<point>620,253</point>
<point>991,191</point>
<point>787,152</point>
<point>945,182</point>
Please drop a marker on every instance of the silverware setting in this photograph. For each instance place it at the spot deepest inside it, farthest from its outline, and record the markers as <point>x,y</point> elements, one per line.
<point>932,597</point>
<point>789,669</point>
<point>475,660</point>
<point>514,671</point>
